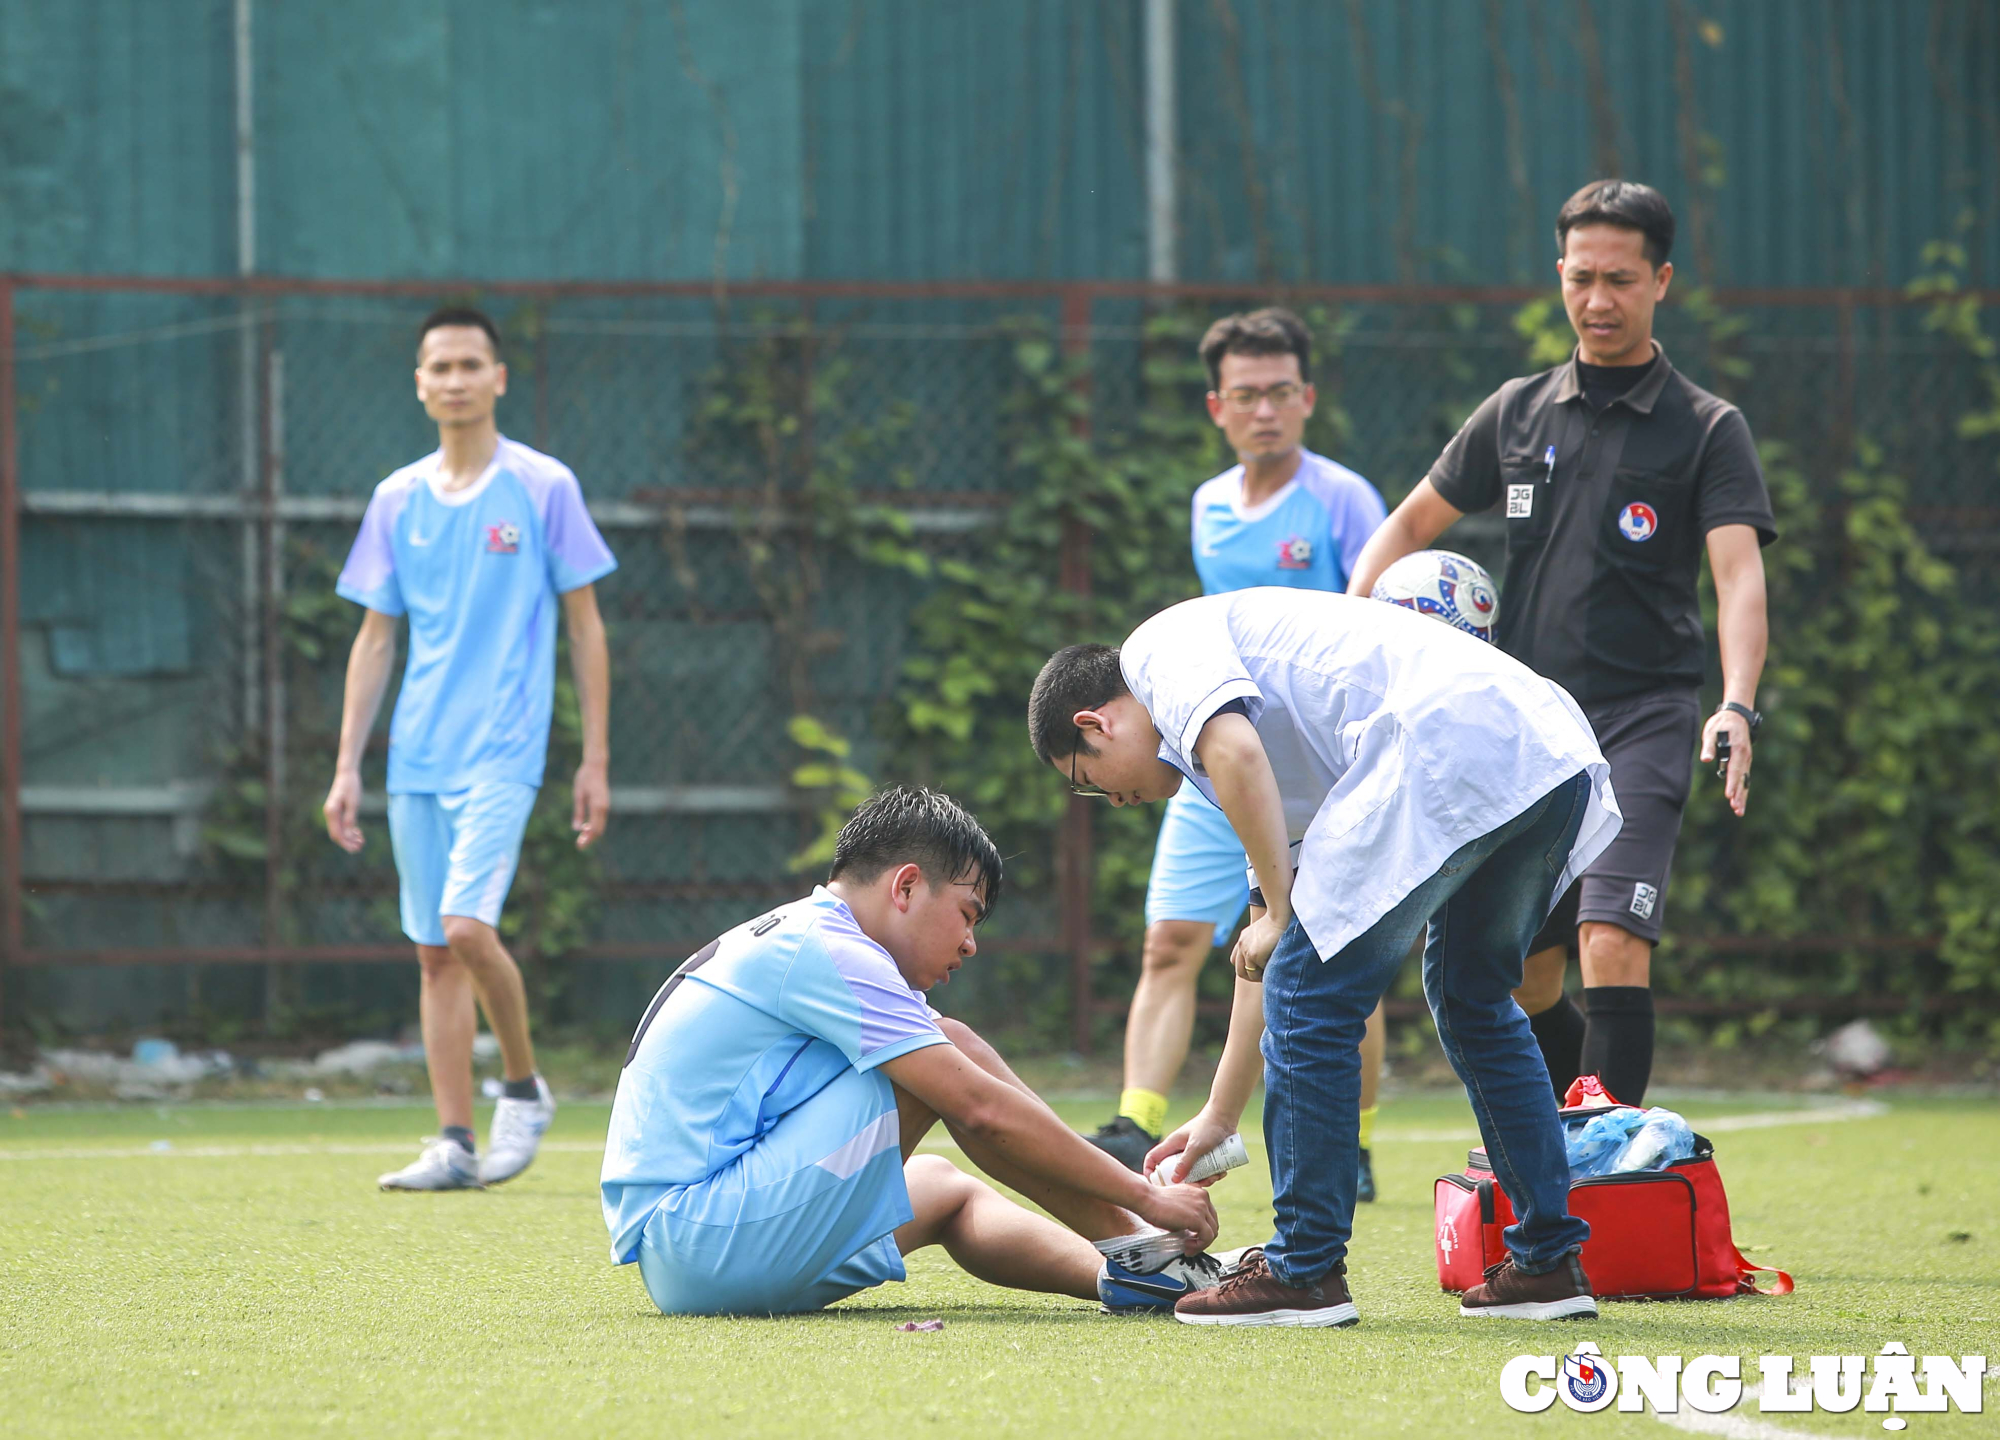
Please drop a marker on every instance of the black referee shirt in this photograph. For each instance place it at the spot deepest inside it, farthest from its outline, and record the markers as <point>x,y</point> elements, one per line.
<point>1607,511</point>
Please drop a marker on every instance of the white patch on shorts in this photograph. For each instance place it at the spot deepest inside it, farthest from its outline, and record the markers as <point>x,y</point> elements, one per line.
<point>1644,897</point>
<point>1520,501</point>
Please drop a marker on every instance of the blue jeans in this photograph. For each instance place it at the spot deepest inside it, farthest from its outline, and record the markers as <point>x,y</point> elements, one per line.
<point>1483,906</point>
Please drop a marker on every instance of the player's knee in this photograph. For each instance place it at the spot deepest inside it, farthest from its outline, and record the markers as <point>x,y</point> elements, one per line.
<point>1613,955</point>
<point>937,1185</point>
<point>1542,980</point>
<point>466,937</point>
<point>1175,949</point>
<point>965,1038</point>
<point>438,962</point>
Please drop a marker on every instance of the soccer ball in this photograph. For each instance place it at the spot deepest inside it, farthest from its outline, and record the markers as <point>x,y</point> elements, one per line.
<point>1443,585</point>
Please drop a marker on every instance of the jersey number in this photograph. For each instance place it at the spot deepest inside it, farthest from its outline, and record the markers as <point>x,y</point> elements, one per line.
<point>693,963</point>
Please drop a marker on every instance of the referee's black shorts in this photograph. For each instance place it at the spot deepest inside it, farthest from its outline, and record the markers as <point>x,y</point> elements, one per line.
<point>1650,741</point>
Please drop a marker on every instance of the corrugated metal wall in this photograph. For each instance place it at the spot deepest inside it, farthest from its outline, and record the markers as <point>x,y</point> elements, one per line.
<point>1804,142</point>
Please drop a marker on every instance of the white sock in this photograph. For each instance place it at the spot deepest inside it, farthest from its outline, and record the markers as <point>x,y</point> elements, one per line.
<point>1143,1251</point>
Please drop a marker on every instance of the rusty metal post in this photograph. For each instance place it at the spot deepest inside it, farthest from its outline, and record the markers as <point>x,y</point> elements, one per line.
<point>10,654</point>
<point>272,574</point>
<point>542,374</point>
<point>1076,843</point>
<point>1846,396</point>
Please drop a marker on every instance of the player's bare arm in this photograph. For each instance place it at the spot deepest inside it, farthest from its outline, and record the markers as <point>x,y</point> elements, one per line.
<point>590,665</point>
<point>1743,631</point>
<point>369,662</point>
<point>1025,1132</point>
<point>1412,526</point>
<point>1247,791</point>
<point>1236,1077</point>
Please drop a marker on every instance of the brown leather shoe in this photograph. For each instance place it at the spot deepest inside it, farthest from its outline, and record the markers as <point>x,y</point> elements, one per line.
<point>1560,1294</point>
<point>1252,1295</point>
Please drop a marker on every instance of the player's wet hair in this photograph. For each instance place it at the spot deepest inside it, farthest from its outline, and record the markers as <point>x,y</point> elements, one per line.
<point>1626,204</point>
<point>1270,331</point>
<point>1078,677</point>
<point>914,825</point>
<point>458,315</point>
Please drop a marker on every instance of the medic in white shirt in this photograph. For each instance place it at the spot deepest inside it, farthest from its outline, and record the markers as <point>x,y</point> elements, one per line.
<point>1385,774</point>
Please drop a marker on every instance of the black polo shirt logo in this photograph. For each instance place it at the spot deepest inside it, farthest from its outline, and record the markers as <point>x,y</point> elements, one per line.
<point>1638,523</point>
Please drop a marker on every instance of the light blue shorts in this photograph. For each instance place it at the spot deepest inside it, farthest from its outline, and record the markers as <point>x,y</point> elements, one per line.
<point>455,853</point>
<point>1199,871</point>
<point>805,1217</point>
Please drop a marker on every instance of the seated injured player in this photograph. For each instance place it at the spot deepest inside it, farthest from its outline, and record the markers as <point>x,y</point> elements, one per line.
<point>762,1157</point>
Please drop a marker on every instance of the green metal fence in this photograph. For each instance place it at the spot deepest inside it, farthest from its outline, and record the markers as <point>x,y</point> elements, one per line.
<point>185,463</point>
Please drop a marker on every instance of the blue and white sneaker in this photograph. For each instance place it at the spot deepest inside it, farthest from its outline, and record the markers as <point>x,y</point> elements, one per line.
<point>518,1126</point>
<point>1132,1292</point>
<point>444,1165</point>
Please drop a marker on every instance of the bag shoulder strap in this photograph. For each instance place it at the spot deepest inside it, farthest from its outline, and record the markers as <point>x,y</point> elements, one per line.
<point>1746,1285</point>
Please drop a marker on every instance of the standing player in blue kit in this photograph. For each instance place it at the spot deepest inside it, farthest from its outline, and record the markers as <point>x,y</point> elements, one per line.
<point>1281,516</point>
<point>479,544</point>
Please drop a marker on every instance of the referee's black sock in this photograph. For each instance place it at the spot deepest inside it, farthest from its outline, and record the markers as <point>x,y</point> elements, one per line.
<point>1618,1045</point>
<point>1559,1030</point>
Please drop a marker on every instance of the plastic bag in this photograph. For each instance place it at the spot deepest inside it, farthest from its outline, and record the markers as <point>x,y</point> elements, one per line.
<point>1595,1143</point>
<point>1663,1139</point>
<point>1625,1139</point>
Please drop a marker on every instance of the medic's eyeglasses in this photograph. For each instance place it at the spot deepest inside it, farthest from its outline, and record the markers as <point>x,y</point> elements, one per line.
<point>1089,792</point>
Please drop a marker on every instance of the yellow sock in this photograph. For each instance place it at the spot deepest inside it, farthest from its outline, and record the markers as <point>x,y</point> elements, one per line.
<point>1368,1127</point>
<point>1145,1108</point>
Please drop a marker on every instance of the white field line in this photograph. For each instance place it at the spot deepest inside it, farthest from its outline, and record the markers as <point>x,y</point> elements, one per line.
<point>1731,1425</point>
<point>1826,1115</point>
<point>238,1152</point>
<point>1717,1125</point>
<point>1761,1120</point>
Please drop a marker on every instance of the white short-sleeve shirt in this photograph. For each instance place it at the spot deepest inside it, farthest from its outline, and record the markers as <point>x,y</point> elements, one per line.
<point>1395,739</point>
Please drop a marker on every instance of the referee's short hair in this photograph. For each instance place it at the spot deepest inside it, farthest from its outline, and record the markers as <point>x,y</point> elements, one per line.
<point>1626,204</point>
<point>455,315</point>
<point>1270,331</point>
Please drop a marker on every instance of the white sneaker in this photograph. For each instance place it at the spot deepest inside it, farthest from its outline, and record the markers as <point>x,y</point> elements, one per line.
<point>444,1165</point>
<point>517,1134</point>
<point>1230,1259</point>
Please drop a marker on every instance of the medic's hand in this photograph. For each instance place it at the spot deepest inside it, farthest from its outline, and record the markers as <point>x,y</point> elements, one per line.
<point>1254,946</point>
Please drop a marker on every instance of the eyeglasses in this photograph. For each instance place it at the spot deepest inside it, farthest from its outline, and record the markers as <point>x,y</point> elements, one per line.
<point>1243,398</point>
<point>1088,792</point>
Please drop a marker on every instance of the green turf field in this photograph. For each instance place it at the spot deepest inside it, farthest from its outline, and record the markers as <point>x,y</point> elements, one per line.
<point>231,1271</point>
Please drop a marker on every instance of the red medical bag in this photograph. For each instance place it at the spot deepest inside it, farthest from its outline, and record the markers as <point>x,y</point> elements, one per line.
<point>1654,1234</point>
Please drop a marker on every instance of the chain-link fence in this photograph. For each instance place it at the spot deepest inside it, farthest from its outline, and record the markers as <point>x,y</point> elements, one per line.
<point>185,465</point>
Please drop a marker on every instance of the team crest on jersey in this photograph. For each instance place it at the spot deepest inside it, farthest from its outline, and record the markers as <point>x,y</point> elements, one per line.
<point>503,539</point>
<point>1295,553</point>
<point>1638,522</point>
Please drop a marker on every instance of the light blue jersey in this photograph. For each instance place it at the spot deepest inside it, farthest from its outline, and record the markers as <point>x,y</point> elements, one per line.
<point>479,572</point>
<point>1307,536</point>
<point>749,1032</point>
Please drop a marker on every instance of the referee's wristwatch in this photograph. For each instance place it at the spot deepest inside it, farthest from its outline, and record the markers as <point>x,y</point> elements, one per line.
<point>1752,718</point>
